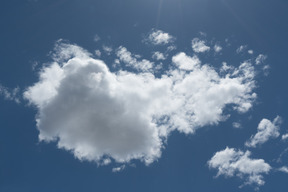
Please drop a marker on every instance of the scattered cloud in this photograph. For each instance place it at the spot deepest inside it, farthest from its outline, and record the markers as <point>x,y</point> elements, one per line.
<point>217,48</point>
<point>158,37</point>
<point>118,169</point>
<point>241,49</point>
<point>10,94</point>
<point>95,113</point>
<point>171,48</point>
<point>236,125</point>
<point>266,130</point>
<point>236,163</point>
<point>283,169</point>
<point>107,49</point>
<point>132,60</point>
<point>158,56</point>
<point>260,59</point>
<point>285,137</point>
<point>199,46</point>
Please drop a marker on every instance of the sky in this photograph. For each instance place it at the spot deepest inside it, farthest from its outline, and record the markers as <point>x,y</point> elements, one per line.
<point>143,95</point>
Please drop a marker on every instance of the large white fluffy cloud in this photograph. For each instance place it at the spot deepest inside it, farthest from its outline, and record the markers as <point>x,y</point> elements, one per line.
<point>266,130</point>
<point>100,115</point>
<point>236,163</point>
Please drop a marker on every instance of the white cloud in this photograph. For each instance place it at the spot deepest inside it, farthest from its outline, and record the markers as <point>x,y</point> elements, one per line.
<point>131,60</point>
<point>236,125</point>
<point>199,46</point>
<point>98,53</point>
<point>241,49</point>
<point>158,56</point>
<point>235,163</point>
<point>158,37</point>
<point>118,169</point>
<point>107,49</point>
<point>260,59</point>
<point>217,48</point>
<point>266,130</point>
<point>96,114</point>
<point>283,169</point>
<point>285,137</point>
<point>250,51</point>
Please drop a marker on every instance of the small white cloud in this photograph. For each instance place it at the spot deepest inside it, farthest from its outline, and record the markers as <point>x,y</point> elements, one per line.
<point>285,137</point>
<point>266,130</point>
<point>108,50</point>
<point>217,48</point>
<point>98,53</point>
<point>283,169</point>
<point>158,56</point>
<point>260,59</point>
<point>199,46</point>
<point>236,125</point>
<point>158,37</point>
<point>131,60</point>
<point>235,163</point>
<point>250,51</point>
<point>118,169</point>
<point>241,49</point>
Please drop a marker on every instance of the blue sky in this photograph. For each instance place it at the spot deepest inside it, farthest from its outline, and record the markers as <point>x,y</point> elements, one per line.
<point>134,95</point>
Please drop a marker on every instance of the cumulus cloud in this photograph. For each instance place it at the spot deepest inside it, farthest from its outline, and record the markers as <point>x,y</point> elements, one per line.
<point>236,163</point>
<point>266,130</point>
<point>250,51</point>
<point>159,37</point>
<point>132,60</point>
<point>95,113</point>
<point>158,56</point>
<point>199,46</point>
<point>98,53</point>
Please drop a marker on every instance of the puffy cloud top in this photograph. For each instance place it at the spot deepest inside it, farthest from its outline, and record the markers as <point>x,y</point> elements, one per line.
<point>124,115</point>
<point>158,37</point>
